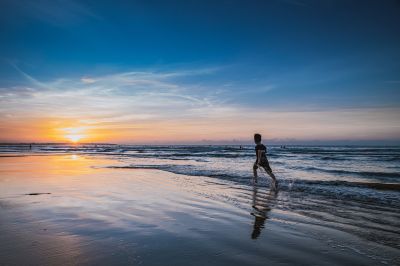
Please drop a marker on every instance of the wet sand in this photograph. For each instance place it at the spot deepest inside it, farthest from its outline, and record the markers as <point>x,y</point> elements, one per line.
<point>73,210</point>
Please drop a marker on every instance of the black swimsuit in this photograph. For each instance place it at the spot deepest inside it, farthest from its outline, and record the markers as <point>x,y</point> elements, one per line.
<point>263,160</point>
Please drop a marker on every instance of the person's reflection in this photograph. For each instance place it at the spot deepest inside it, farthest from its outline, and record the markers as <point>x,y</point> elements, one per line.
<point>261,207</point>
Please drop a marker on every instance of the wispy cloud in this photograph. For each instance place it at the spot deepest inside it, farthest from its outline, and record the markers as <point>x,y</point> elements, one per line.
<point>59,13</point>
<point>88,80</point>
<point>34,82</point>
<point>142,94</point>
<point>177,104</point>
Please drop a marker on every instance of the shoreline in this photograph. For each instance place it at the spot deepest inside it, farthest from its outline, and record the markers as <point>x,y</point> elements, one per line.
<point>97,215</point>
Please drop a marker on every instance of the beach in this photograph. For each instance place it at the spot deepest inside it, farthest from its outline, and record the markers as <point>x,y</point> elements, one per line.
<point>209,133</point>
<point>80,209</point>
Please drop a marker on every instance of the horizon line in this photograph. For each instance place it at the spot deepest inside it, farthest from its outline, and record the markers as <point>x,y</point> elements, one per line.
<point>222,143</point>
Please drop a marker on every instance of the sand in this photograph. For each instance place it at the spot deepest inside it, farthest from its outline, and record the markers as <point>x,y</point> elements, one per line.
<point>73,210</point>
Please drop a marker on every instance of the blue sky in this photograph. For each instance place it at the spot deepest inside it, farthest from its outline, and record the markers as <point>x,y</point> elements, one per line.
<point>235,67</point>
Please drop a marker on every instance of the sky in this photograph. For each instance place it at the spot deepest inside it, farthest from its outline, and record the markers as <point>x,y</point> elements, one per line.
<point>143,72</point>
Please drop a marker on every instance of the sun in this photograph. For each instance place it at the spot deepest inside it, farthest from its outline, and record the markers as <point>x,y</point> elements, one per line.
<point>74,137</point>
<point>74,134</point>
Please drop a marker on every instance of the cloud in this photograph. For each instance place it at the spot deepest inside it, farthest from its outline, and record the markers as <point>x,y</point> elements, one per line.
<point>34,82</point>
<point>88,80</point>
<point>186,104</point>
<point>60,13</point>
<point>149,94</point>
<point>17,92</point>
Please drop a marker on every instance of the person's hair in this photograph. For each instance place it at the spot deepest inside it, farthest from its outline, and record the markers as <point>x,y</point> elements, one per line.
<point>257,138</point>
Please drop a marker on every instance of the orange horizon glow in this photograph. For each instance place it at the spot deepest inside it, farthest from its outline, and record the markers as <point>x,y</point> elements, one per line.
<point>74,134</point>
<point>302,126</point>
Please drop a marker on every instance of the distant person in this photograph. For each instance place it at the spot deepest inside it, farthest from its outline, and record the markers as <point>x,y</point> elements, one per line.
<point>262,161</point>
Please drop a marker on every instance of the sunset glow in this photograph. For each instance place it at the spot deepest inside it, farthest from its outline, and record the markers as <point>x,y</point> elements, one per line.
<point>74,138</point>
<point>173,132</point>
<point>229,78</point>
<point>74,134</point>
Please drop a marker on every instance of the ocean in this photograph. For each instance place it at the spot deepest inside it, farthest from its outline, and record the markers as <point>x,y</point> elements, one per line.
<point>354,189</point>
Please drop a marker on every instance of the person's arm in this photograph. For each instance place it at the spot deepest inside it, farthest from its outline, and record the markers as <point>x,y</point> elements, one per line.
<point>259,154</point>
<point>256,157</point>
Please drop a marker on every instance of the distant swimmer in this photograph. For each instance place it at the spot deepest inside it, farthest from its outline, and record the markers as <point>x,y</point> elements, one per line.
<point>262,161</point>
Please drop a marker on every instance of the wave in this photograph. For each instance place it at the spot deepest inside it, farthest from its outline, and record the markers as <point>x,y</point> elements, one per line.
<point>360,173</point>
<point>316,152</point>
<point>299,182</point>
<point>372,185</point>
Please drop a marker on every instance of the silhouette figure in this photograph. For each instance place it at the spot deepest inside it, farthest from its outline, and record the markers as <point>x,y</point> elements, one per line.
<point>261,208</point>
<point>262,161</point>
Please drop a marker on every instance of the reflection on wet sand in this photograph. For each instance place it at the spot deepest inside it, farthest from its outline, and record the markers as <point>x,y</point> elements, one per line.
<point>75,210</point>
<point>261,207</point>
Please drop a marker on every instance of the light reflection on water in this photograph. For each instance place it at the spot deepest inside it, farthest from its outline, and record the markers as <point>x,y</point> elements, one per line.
<point>90,199</point>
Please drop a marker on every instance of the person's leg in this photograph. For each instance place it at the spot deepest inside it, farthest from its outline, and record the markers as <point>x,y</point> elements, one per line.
<point>269,172</point>
<point>255,172</point>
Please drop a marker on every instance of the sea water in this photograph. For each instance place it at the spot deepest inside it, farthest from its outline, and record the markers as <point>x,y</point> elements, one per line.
<point>351,188</point>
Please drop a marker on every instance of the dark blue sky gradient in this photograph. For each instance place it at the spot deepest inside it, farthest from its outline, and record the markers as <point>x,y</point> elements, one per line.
<point>140,33</point>
<point>280,53</point>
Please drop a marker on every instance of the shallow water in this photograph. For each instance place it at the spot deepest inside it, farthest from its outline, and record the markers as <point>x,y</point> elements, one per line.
<point>353,190</point>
